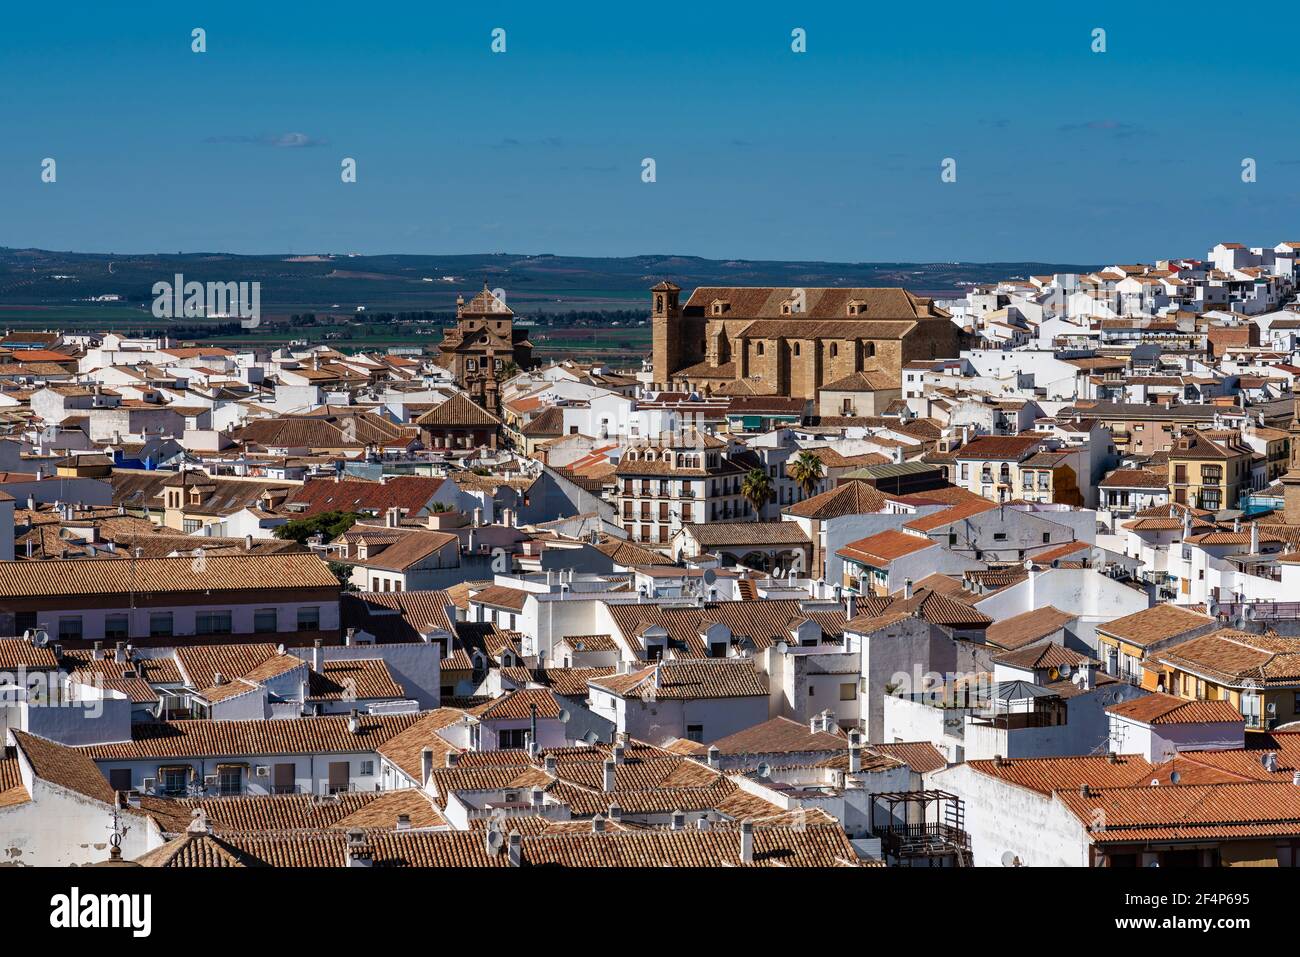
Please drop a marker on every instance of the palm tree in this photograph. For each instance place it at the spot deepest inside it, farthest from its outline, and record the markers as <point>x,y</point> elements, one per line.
<point>756,486</point>
<point>807,472</point>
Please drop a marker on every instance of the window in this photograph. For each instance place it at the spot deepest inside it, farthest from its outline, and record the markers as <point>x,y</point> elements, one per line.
<point>718,649</point>
<point>309,618</point>
<point>174,780</point>
<point>70,627</point>
<point>367,767</point>
<point>117,626</point>
<point>265,619</point>
<point>695,732</point>
<point>999,536</point>
<point>212,623</point>
<point>338,777</point>
<point>119,779</point>
<point>849,691</point>
<point>230,780</point>
<point>160,624</point>
<point>509,739</point>
<point>191,525</point>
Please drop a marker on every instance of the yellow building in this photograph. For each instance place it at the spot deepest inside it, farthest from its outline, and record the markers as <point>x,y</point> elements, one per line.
<point>1125,643</point>
<point>1259,674</point>
<point>1209,469</point>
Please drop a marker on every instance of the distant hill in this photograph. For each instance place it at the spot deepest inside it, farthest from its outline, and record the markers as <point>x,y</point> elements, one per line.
<point>532,282</point>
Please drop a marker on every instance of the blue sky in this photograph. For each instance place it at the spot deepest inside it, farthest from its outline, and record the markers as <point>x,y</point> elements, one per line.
<point>1062,154</point>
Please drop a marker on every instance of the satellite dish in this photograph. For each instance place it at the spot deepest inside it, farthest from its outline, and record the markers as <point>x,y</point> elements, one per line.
<point>1065,671</point>
<point>1054,674</point>
<point>710,576</point>
<point>1029,564</point>
<point>564,715</point>
<point>1175,777</point>
<point>764,770</point>
<point>1077,678</point>
<point>1155,782</point>
<point>1009,859</point>
<point>494,837</point>
<point>590,737</point>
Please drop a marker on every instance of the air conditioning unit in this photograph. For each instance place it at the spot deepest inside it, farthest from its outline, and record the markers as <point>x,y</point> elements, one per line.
<point>147,785</point>
<point>210,780</point>
<point>262,771</point>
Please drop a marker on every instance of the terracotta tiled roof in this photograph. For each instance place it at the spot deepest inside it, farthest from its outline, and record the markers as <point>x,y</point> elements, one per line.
<point>517,705</point>
<point>459,410</point>
<point>1167,709</point>
<point>921,756</point>
<point>880,549</point>
<point>182,739</point>
<point>717,534</point>
<point>778,736</point>
<point>1043,656</point>
<point>814,845</point>
<point>851,498</point>
<point>1046,775</point>
<point>1019,630</point>
<point>1135,478</point>
<point>1187,812</point>
<point>18,653</point>
<point>1154,624</point>
<point>500,596</point>
<point>411,493</point>
<point>1238,656</point>
<point>690,679</point>
<point>113,576</point>
<point>998,447</point>
<point>66,767</point>
<point>948,516</point>
<point>353,679</point>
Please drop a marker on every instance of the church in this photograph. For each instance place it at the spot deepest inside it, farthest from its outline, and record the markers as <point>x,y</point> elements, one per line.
<point>765,340</point>
<point>483,343</point>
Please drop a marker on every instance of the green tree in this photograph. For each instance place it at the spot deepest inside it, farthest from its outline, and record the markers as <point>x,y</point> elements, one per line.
<point>756,487</point>
<point>807,472</point>
<point>329,524</point>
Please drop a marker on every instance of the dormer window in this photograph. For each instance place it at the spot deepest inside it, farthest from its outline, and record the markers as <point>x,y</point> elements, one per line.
<point>721,306</point>
<point>856,307</point>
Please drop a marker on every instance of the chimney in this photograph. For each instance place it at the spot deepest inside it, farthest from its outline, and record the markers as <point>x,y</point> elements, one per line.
<point>515,850</point>
<point>478,517</point>
<point>403,822</point>
<point>678,820</point>
<point>1254,538</point>
<point>815,724</point>
<point>393,519</point>
<point>316,662</point>
<point>702,824</point>
<point>426,765</point>
<point>619,752</point>
<point>715,757</point>
<point>549,764</point>
<point>850,607</point>
<point>248,543</point>
<point>907,589</point>
<point>855,759</point>
<point>598,825</point>
<point>746,842</point>
<point>218,679</point>
<point>453,758</point>
<point>119,652</point>
<point>1084,790</point>
<point>615,813</point>
<point>354,723</point>
<point>359,851</point>
<point>609,776</point>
